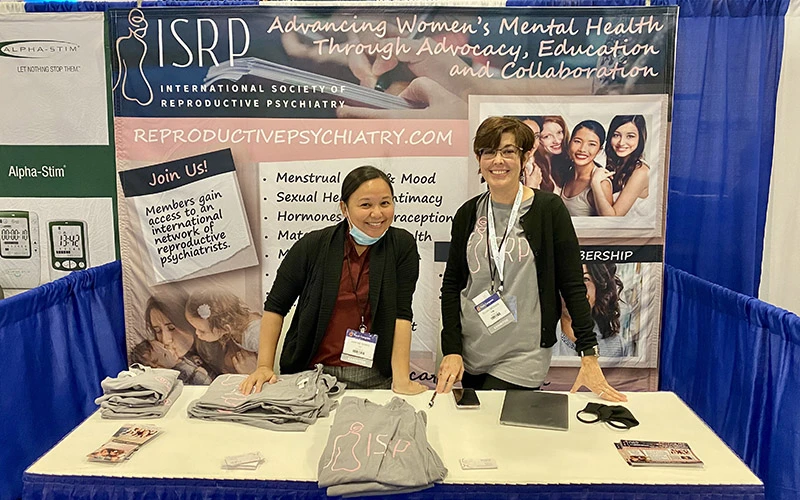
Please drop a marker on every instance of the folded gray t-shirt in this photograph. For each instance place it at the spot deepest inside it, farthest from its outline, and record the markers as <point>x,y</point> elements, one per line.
<point>291,404</point>
<point>139,385</point>
<point>378,449</point>
<point>158,410</point>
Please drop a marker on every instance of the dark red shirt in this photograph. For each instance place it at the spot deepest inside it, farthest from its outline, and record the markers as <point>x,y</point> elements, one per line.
<point>348,309</point>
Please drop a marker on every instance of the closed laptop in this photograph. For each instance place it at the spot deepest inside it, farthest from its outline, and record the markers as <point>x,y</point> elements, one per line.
<point>544,410</point>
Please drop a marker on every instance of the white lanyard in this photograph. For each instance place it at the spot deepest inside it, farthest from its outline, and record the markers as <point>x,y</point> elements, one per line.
<point>499,253</point>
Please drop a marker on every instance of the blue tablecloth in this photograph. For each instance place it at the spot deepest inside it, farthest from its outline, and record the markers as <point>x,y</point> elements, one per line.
<point>47,487</point>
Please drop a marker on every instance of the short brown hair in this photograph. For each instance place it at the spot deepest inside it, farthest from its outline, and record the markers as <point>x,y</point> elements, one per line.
<point>492,129</point>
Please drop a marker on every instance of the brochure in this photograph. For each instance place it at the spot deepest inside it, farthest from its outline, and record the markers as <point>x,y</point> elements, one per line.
<point>124,443</point>
<point>136,434</point>
<point>644,453</point>
<point>113,452</point>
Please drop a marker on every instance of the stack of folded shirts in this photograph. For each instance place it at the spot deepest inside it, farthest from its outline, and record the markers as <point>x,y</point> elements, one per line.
<point>291,404</point>
<point>139,392</point>
<point>374,449</point>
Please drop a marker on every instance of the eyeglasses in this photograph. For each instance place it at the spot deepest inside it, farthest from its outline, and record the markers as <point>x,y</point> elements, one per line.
<point>506,152</point>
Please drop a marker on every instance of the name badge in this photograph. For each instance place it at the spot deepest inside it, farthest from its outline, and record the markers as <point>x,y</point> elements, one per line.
<point>493,311</point>
<point>359,348</point>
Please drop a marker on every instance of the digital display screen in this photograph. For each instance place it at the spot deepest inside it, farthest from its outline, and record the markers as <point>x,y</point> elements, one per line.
<point>15,238</point>
<point>67,242</point>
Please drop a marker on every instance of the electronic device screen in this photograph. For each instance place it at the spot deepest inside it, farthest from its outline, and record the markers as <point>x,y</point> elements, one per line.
<point>466,398</point>
<point>67,246</point>
<point>68,241</point>
<point>15,241</point>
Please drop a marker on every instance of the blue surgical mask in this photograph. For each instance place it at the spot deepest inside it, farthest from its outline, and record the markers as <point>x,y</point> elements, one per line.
<point>362,238</point>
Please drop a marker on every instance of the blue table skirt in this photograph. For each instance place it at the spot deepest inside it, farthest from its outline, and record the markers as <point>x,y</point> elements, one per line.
<point>45,487</point>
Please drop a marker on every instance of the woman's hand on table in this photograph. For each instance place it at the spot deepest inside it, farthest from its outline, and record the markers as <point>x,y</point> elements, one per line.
<point>258,378</point>
<point>451,370</point>
<point>408,387</point>
<point>591,376</point>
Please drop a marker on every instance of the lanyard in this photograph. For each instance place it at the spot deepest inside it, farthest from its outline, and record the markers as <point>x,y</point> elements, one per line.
<point>362,327</point>
<point>498,254</point>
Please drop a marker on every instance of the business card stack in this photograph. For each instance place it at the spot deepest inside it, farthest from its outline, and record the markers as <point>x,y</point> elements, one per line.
<point>124,443</point>
<point>246,461</point>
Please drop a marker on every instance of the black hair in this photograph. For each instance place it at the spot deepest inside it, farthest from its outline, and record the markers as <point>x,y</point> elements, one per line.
<point>567,171</point>
<point>359,176</point>
<point>593,126</point>
<point>608,287</point>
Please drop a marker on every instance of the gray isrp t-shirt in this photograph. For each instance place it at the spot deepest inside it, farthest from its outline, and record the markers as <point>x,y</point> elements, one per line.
<point>513,353</point>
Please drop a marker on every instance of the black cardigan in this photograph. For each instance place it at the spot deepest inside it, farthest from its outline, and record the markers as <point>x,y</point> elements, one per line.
<point>311,270</point>
<point>548,228</point>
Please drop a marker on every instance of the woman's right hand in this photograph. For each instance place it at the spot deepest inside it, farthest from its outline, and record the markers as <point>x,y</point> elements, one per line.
<point>450,371</point>
<point>533,175</point>
<point>255,380</point>
<point>600,174</point>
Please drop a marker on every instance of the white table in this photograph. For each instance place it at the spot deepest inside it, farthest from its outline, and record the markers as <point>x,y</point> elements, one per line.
<point>582,457</point>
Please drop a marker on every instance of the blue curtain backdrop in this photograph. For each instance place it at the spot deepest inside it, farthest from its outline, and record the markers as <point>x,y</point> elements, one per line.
<point>58,342</point>
<point>736,362</point>
<point>726,83</point>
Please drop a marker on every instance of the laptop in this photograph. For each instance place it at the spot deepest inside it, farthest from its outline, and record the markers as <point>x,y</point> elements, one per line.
<point>543,410</point>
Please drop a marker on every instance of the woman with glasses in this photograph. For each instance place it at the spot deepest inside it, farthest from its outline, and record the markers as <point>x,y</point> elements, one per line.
<point>353,284</point>
<point>582,189</point>
<point>513,251</point>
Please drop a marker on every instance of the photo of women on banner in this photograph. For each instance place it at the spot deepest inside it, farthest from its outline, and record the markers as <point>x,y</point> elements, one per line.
<point>625,298</point>
<point>200,333</point>
<point>605,156</point>
<point>190,215</point>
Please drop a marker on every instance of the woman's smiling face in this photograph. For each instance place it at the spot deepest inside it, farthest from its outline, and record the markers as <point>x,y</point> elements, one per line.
<point>583,147</point>
<point>551,138</point>
<point>371,207</point>
<point>591,289</point>
<point>501,168</point>
<point>625,139</point>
